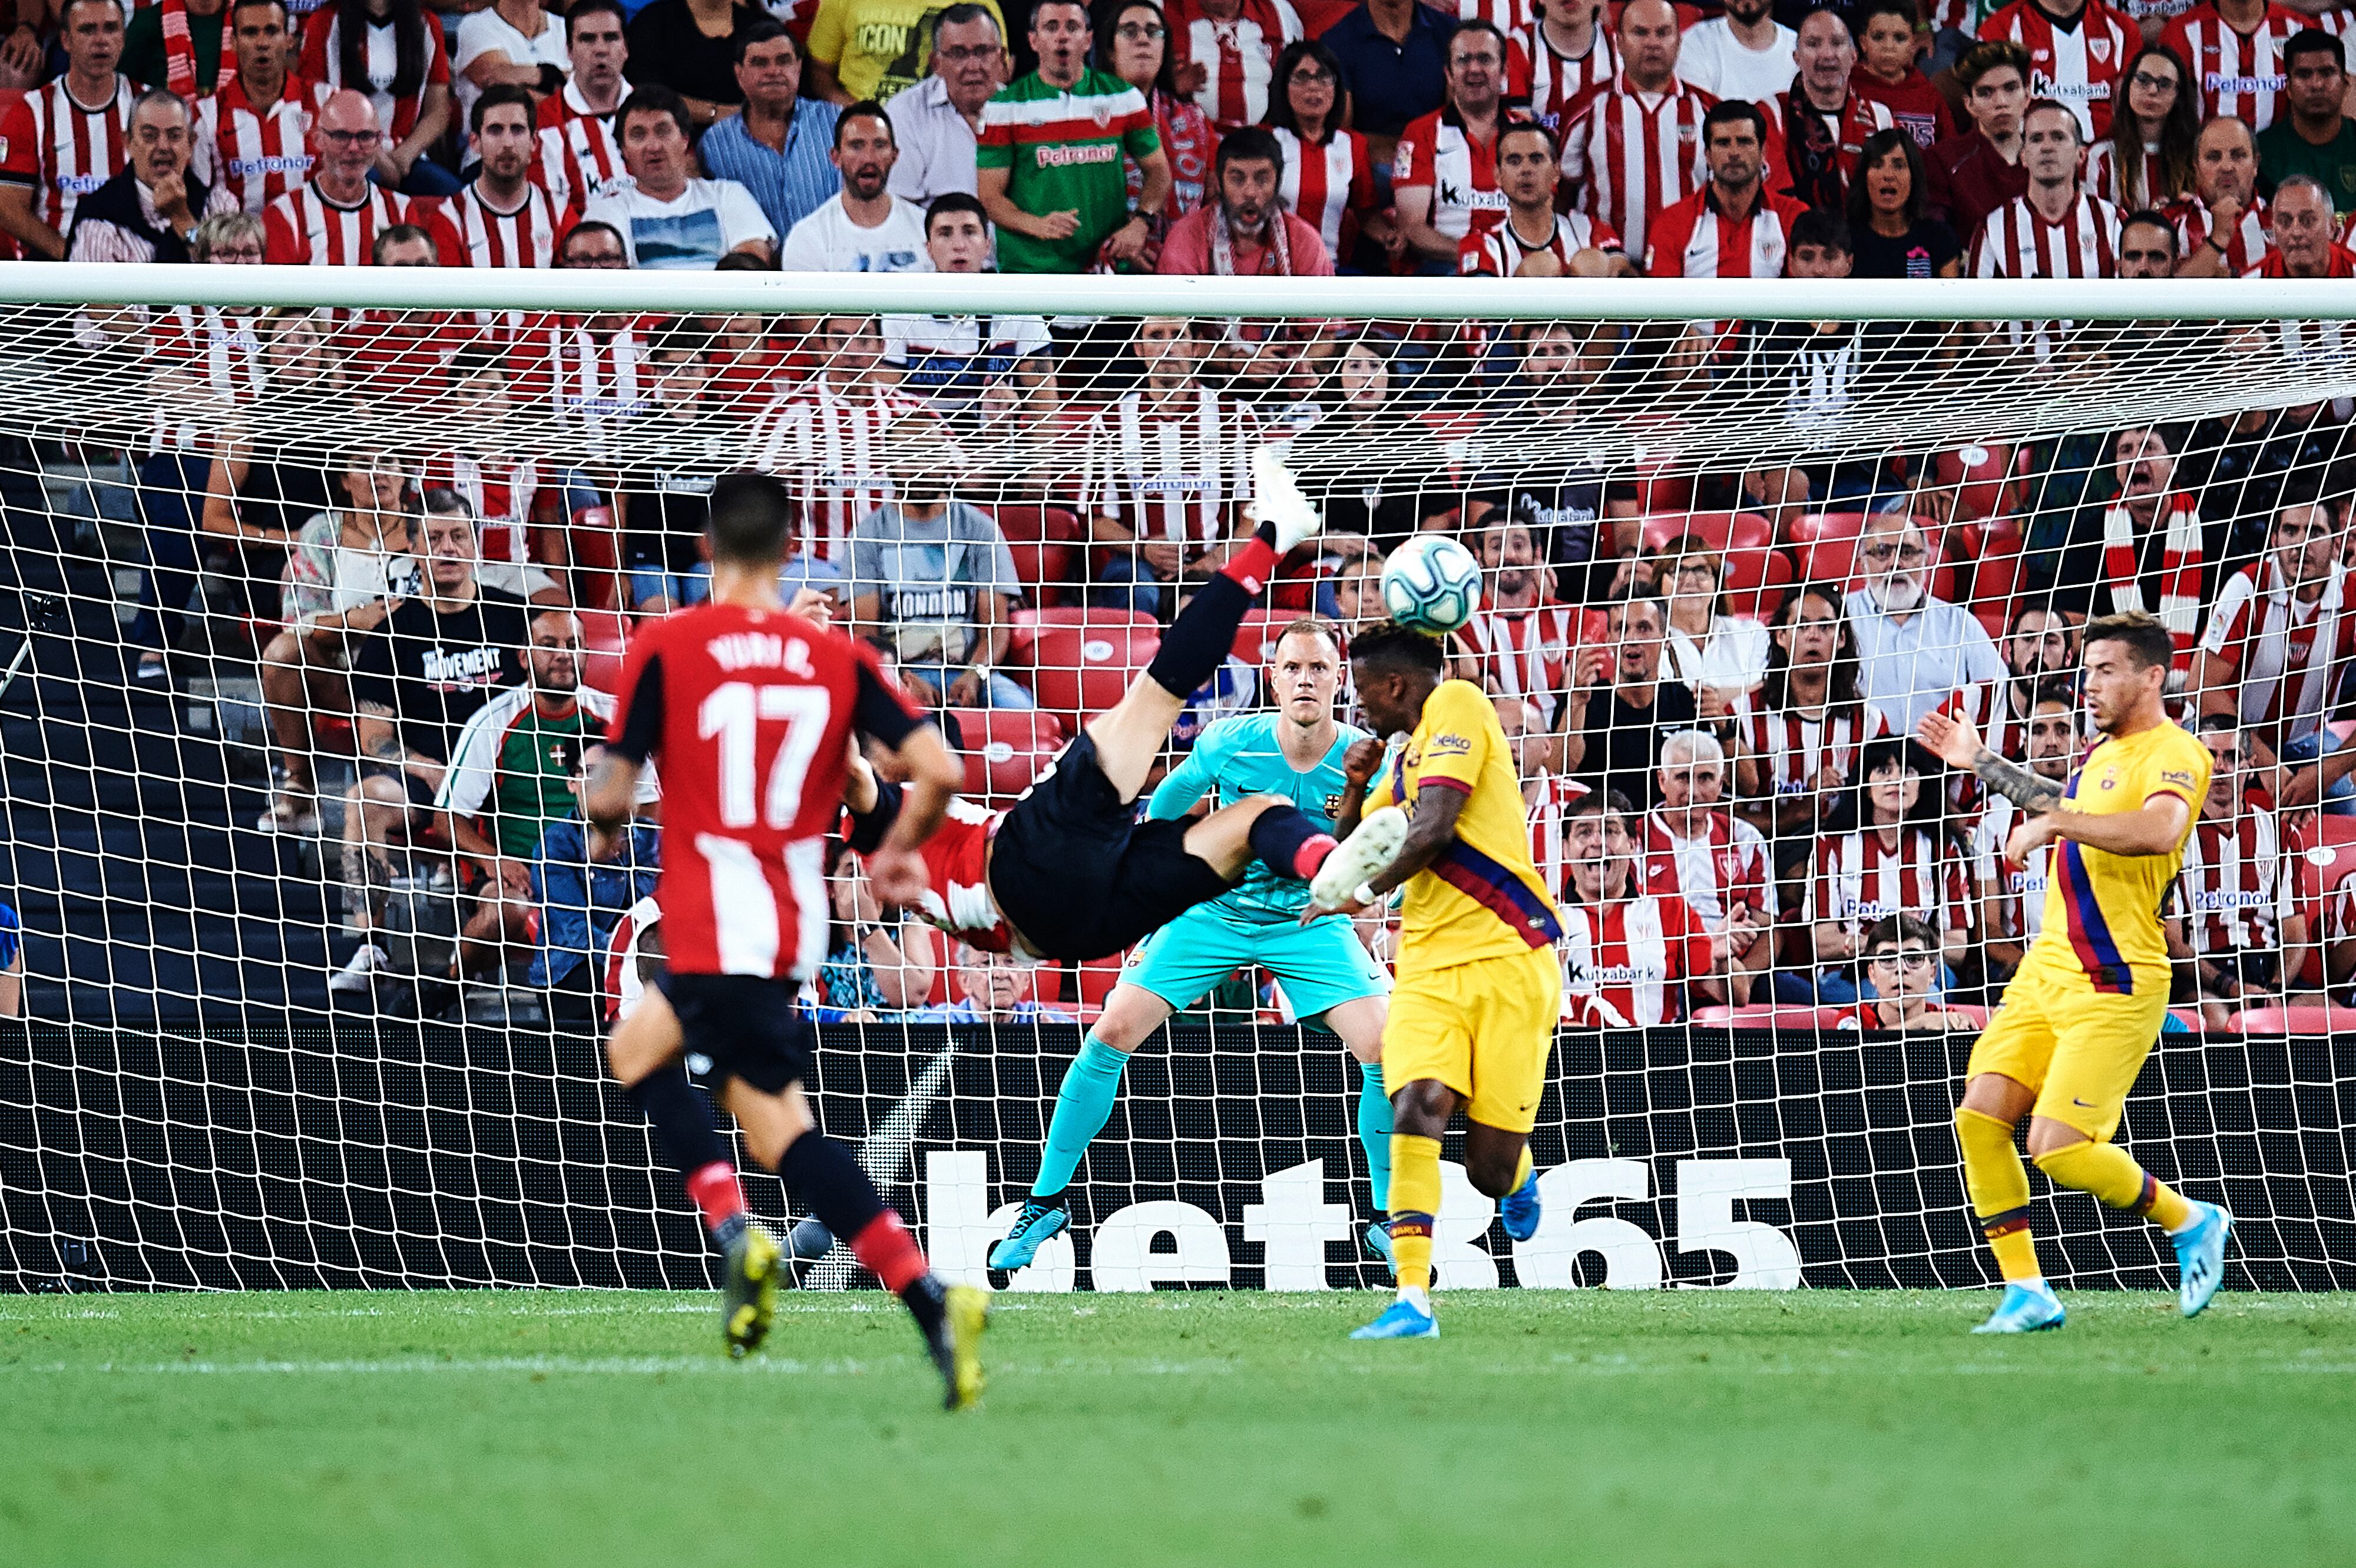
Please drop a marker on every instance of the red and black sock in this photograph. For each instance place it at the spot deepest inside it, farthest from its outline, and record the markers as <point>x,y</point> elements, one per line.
<point>822,1173</point>
<point>1290,840</point>
<point>1200,640</point>
<point>683,1130</point>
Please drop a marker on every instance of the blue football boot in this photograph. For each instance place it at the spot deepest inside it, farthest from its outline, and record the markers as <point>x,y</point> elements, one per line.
<point>1400,1320</point>
<point>1520,1210</point>
<point>2025,1309</point>
<point>2200,1258</point>
<point>1032,1227</point>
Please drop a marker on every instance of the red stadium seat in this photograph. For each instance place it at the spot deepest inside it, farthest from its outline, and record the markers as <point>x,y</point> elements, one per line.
<point>2293,1020</point>
<point>1768,1016</point>
<point>2323,856</point>
<point>594,547</point>
<point>1093,982</point>
<point>1756,582</point>
<point>1257,635</point>
<point>1978,477</point>
<point>604,636</point>
<point>1043,541</point>
<point>1723,531</point>
<point>1005,749</point>
<point>1084,659</point>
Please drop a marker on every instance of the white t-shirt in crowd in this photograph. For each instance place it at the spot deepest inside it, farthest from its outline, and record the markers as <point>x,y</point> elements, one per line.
<point>487,32</point>
<point>690,232</point>
<point>1712,58</point>
<point>829,242</point>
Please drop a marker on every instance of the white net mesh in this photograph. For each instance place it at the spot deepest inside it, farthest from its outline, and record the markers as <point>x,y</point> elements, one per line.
<point>1788,537</point>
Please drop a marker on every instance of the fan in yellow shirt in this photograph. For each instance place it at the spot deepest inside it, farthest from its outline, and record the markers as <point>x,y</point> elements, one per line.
<point>2086,1005</point>
<point>1479,988</point>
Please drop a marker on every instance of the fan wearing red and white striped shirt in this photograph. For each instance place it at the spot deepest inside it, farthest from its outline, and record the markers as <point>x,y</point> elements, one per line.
<point>2235,49</point>
<point>1887,852</point>
<point>252,136</point>
<point>1330,187</point>
<point>591,371</point>
<point>2234,914</point>
<point>501,491</point>
<point>500,218</point>
<point>1635,148</point>
<point>2013,896</point>
<point>2078,63</point>
<point>826,436</point>
<point>1799,741</point>
<point>2055,230</point>
<point>2282,632</point>
<point>425,103</point>
<point>1631,959</point>
<point>60,142</point>
<point>1234,44</point>
<point>1547,798</point>
<point>579,161</point>
<point>596,48</point>
<point>1444,178</point>
<point>1692,846</point>
<point>1534,240</point>
<point>333,221</point>
<point>1733,226</point>
<point>1517,644</point>
<point>2223,230</point>
<point>1571,55</point>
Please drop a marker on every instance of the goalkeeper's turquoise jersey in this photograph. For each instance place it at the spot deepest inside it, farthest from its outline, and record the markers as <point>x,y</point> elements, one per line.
<point>1239,756</point>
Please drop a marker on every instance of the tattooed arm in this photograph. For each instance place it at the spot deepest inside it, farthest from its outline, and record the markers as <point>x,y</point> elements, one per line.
<point>1954,742</point>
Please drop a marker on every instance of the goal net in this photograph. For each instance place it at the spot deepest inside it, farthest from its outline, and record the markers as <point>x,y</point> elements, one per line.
<point>317,584</point>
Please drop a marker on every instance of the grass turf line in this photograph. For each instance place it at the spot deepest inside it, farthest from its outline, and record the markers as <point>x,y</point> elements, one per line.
<point>1677,1427</point>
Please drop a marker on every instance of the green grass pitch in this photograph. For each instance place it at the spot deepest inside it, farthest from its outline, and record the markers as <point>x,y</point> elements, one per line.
<point>1677,1427</point>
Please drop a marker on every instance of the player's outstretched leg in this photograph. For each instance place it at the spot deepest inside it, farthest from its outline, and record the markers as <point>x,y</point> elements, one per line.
<point>1083,1105</point>
<point>2110,1174</point>
<point>1365,854</point>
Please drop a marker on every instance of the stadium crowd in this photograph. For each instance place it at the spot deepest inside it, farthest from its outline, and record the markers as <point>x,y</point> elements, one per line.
<point>1711,682</point>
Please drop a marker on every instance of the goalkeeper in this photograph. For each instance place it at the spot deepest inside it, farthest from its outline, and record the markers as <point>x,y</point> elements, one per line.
<point>1297,753</point>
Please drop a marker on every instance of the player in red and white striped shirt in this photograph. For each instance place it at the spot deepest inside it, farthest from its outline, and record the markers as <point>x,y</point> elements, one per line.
<point>254,135</point>
<point>2223,228</point>
<point>1636,146</point>
<point>332,221</point>
<point>1887,852</point>
<point>1715,862</point>
<point>826,436</point>
<point>1733,226</point>
<point>2282,633</point>
<point>1168,466</point>
<point>500,218</point>
<point>2234,916</point>
<point>1630,958</point>
<point>1233,45</point>
<point>2078,64</point>
<point>60,142</point>
<point>2235,50</point>
<point>751,713</point>
<point>1534,240</point>
<point>1571,55</point>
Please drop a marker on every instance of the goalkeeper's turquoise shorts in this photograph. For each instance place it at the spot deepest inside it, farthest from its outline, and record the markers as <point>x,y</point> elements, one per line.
<point>1321,966</point>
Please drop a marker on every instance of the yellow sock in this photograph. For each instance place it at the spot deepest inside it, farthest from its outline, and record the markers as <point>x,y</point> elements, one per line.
<point>2111,1177</point>
<point>1415,1201</point>
<point>1521,1171</point>
<point>1998,1184</point>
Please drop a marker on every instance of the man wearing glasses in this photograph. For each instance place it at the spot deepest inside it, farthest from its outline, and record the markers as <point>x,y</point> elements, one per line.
<point>938,121</point>
<point>1049,169</point>
<point>333,222</point>
<point>1914,650</point>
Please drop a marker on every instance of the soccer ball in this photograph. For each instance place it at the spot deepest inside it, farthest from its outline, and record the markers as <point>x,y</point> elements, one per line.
<point>1431,584</point>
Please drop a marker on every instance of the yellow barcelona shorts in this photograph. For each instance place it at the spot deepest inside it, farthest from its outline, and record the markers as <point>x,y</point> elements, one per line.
<point>1483,1028</point>
<point>2078,1047</point>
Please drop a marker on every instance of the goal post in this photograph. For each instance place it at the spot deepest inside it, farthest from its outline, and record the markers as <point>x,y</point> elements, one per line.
<point>1751,529</point>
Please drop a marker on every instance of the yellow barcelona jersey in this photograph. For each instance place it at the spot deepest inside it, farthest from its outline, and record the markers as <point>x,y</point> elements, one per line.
<point>2102,910</point>
<point>1482,898</point>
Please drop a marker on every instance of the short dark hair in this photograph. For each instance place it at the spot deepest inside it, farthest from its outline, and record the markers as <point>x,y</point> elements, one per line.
<point>2142,633</point>
<point>286,15</point>
<point>1726,110</point>
<point>1529,128</point>
<point>399,234</point>
<point>2214,723</point>
<point>2055,689</point>
<point>1994,54</point>
<point>1822,230</point>
<point>507,93</point>
<point>2314,41</point>
<point>1596,802</point>
<point>1386,645</point>
<point>590,7</point>
<point>1249,144</point>
<point>2054,106</point>
<point>653,97</point>
<point>958,15</point>
<point>865,109</point>
<point>680,335</point>
<point>951,202</point>
<point>2156,219</point>
<point>1904,10</point>
<point>1310,626</point>
<point>590,226</point>
<point>1900,930</point>
<point>767,30</point>
<point>751,517</point>
<point>1475,25</point>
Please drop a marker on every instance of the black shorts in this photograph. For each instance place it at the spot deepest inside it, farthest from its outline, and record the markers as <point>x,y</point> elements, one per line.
<point>1080,876</point>
<point>745,1026</point>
